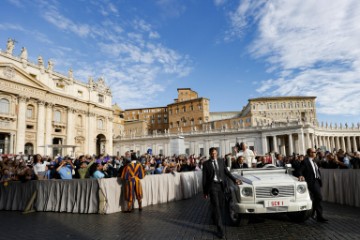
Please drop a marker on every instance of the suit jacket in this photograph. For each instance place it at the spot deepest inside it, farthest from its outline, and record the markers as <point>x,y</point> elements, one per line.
<point>306,170</point>
<point>209,174</point>
<point>236,165</point>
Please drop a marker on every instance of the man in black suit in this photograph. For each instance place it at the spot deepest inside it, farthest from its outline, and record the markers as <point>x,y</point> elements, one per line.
<point>214,183</point>
<point>239,163</point>
<point>309,172</point>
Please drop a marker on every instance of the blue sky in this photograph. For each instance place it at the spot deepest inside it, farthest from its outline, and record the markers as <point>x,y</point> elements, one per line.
<point>226,50</point>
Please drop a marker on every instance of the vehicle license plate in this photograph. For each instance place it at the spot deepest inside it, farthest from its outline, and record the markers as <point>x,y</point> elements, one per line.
<point>276,203</point>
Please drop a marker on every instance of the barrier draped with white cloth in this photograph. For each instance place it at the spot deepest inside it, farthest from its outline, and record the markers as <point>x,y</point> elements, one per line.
<point>96,196</point>
<point>340,186</point>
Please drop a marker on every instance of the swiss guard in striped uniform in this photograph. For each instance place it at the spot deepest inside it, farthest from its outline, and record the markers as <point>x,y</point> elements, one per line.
<point>132,174</point>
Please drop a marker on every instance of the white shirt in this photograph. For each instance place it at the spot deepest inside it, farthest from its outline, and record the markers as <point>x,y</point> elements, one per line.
<point>39,167</point>
<point>214,162</point>
<point>315,168</point>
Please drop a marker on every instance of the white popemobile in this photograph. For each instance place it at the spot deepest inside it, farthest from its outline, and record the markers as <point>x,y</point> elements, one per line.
<point>268,190</point>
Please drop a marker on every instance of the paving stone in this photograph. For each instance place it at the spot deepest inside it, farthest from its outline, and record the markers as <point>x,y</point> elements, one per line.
<point>186,219</point>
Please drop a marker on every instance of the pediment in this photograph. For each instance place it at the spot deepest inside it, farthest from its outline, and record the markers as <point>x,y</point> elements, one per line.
<point>15,74</point>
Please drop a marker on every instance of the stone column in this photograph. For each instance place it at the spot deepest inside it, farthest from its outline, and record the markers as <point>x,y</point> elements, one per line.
<point>291,149</point>
<point>348,149</point>
<point>354,143</point>
<point>343,147</point>
<point>48,126</point>
<point>282,145</point>
<point>222,148</point>
<point>301,142</point>
<point>21,125</point>
<point>315,140</point>
<point>321,141</point>
<point>328,143</point>
<point>11,150</point>
<point>308,143</point>
<point>70,130</point>
<point>332,145</point>
<point>337,143</point>
<point>91,129</point>
<point>264,145</point>
<point>109,136</point>
<point>40,134</point>
<point>275,144</point>
<point>7,147</point>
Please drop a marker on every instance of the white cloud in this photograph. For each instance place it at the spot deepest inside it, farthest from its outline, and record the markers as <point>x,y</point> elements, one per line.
<point>128,53</point>
<point>219,2</point>
<point>11,26</point>
<point>17,3</point>
<point>171,8</point>
<point>312,46</point>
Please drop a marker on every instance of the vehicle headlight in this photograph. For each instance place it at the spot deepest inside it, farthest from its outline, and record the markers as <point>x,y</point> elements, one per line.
<point>247,192</point>
<point>301,188</point>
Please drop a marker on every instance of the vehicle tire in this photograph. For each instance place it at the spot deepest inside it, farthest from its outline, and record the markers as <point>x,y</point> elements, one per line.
<point>236,219</point>
<point>300,216</point>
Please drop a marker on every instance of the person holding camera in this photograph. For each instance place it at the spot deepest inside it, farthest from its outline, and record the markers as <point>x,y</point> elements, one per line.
<point>65,168</point>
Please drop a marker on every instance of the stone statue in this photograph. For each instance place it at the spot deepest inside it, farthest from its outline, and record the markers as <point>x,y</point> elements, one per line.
<point>91,82</point>
<point>346,125</point>
<point>71,73</point>
<point>341,126</point>
<point>24,53</point>
<point>10,46</point>
<point>50,65</point>
<point>40,61</point>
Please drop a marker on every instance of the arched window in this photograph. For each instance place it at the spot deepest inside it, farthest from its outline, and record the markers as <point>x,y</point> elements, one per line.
<point>30,111</point>
<point>57,116</point>
<point>4,106</point>
<point>100,124</point>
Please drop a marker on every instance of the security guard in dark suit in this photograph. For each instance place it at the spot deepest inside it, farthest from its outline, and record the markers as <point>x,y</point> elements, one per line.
<point>214,183</point>
<point>310,173</point>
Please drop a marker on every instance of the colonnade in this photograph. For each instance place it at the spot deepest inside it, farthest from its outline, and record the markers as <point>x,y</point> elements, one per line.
<point>299,141</point>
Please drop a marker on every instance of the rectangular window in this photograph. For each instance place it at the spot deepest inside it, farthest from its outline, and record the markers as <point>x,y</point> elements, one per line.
<point>29,112</point>
<point>101,98</point>
<point>202,151</point>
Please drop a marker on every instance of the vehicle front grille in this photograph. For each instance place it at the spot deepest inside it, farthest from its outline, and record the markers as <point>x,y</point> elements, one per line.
<point>267,192</point>
<point>277,209</point>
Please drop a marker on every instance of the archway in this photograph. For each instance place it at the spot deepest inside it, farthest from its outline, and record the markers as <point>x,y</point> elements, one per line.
<point>5,143</point>
<point>100,144</point>
<point>29,149</point>
<point>57,150</point>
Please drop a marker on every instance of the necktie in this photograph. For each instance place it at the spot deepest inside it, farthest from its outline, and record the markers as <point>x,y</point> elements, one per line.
<point>217,173</point>
<point>317,175</point>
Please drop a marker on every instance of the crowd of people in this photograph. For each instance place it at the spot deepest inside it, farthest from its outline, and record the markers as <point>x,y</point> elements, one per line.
<point>37,167</point>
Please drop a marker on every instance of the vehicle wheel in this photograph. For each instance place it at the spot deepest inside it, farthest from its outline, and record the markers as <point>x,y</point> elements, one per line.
<point>301,216</point>
<point>236,219</point>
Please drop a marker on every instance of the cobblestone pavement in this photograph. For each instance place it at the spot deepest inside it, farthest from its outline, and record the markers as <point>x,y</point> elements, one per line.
<point>186,219</point>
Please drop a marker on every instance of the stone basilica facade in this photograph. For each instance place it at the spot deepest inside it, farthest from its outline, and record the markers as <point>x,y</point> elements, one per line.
<point>42,111</point>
